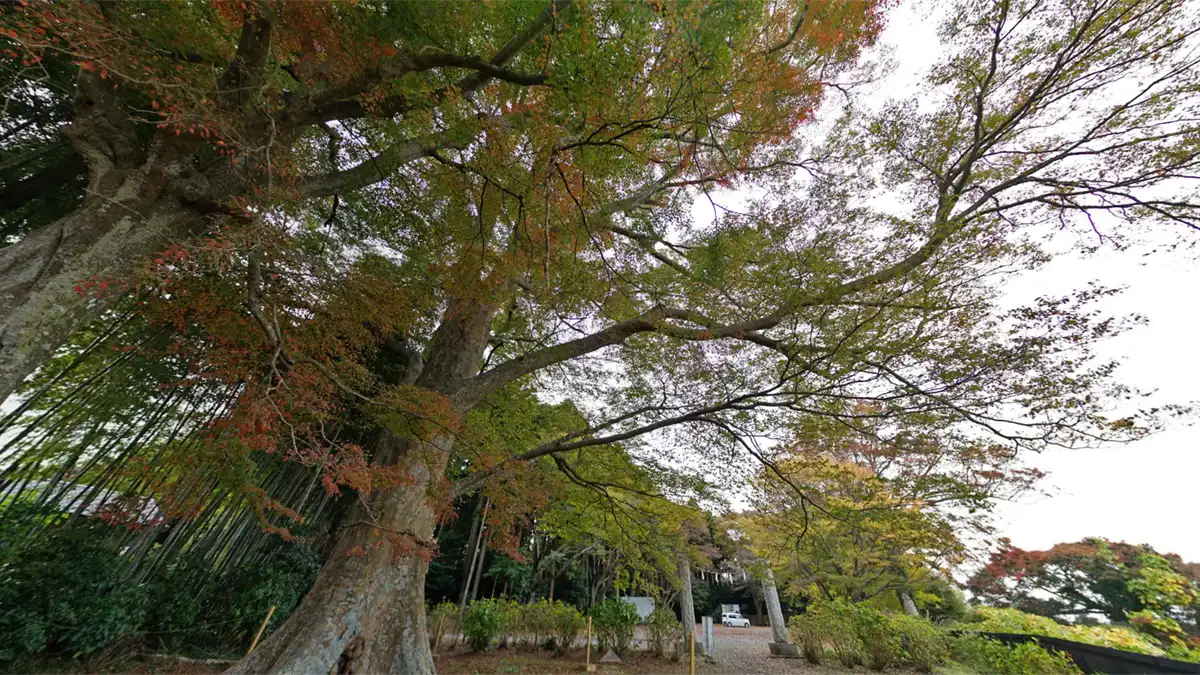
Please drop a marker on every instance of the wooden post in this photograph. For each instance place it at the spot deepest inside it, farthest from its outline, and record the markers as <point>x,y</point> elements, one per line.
<point>588,663</point>
<point>260,630</point>
<point>437,639</point>
<point>692,652</point>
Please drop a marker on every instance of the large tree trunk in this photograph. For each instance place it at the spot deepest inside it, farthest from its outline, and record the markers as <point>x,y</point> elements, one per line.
<point>366,611</point>
<point>102,243</point>
<point>138,201</point>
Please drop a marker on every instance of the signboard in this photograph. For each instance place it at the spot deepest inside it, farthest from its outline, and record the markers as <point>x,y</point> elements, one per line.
<point>643,604</point>
<point>731,609</point>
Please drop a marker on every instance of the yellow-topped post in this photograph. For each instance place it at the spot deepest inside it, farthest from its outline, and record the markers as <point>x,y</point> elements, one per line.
<point>692,651</point>
<point>588,662</point>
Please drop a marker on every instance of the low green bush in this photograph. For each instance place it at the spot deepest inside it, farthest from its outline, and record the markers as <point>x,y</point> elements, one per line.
<point>881,645</point>
<point>806,631</point>
<point>614,622</point>
<point>62,592</point>
<point>838,624</point>
<point>484,621</point>
<point>862,634</point>
<point>537,621</point>
<point>440,620</point>
<point>512,621</point>
<point>568,622</point>
<point>664,629</point>
<point>990,656</point>
<point>65,591</point>
<point>925,646</point>
<point>1003,620</point>
<point>220,614</point>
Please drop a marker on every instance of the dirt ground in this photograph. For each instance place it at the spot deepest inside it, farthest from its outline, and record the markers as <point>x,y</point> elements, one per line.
<point>735,650</point>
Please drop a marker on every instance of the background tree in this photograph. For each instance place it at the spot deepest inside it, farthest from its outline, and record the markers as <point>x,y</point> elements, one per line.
<point>857,540</point>
<point>1092,577</point>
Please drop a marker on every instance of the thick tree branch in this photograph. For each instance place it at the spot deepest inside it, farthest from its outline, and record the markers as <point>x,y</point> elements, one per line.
<point>377,168</point>
<point>246,68</point>
<point>786,42</point>
<point>345,104</point>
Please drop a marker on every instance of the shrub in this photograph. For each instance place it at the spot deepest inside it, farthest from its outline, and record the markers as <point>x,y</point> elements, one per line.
<point>998,620</point>
<point>664,629</point>
<point>536,621</point>
<point>862,634</point>
<point>989,656</point>
<point>62,590</point>
<point>223,612</point>
<point>1182,653</point>
<point>614,622</point>
<point>512,620</point>
<point>806,631</point>
<point>880,642</point>
<point>484,621</point>
<point>244,594</point>
<point>441,619</point>
<point>837,623</point>
<point>924,644</point>
<point>567,624</point>
<point>942,602</point>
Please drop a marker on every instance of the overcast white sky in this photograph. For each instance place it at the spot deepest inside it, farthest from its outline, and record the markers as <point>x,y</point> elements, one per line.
<point>1144,492</point>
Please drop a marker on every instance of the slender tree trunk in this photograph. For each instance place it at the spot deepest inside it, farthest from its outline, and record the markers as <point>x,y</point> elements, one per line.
<point>470,559</point>
<point>487,537</point>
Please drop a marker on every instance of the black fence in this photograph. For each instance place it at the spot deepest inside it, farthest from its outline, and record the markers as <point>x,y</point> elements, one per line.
<point>1096,659</point>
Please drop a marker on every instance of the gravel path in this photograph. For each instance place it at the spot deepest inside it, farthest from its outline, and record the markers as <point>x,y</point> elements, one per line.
<point>744,650</point>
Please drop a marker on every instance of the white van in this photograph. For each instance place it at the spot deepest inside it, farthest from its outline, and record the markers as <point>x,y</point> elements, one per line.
<point>734,620</point>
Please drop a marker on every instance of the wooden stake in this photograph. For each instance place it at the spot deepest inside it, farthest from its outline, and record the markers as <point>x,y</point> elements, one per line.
<point>260,630</point>
<point>588,663</point>
<point>692,651</point>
